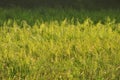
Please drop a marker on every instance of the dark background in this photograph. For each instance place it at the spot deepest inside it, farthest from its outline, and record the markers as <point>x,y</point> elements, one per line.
<point>93,4</point>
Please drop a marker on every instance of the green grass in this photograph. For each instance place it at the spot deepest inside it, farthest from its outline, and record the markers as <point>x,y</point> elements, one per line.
<point>59,49</point>
<point>49,14</point>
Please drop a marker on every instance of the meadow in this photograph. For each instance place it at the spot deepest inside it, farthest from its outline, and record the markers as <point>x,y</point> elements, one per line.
<point>59,44</point>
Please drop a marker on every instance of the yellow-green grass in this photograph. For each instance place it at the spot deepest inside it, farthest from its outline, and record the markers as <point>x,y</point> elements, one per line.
<point>60,51</point>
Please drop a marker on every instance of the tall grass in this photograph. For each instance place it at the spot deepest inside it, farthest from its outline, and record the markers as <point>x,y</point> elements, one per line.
<point>49,14</point>
<point>60,51</point>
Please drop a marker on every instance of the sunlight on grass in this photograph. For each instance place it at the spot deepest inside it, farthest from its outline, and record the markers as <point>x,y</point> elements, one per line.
<point>60,51</point>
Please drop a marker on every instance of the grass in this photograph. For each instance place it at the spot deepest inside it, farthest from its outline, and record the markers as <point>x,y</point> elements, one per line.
<point>50,14</point>
<point>59,50</point>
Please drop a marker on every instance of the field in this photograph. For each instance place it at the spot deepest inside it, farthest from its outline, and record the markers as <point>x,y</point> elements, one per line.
<point>57,44</point>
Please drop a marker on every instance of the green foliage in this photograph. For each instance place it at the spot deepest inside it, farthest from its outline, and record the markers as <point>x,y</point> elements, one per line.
<point>59,48</point>
<point>50,14</point>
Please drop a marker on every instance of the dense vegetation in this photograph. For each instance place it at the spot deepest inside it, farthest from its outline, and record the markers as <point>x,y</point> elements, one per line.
<point>59,14</point>
<point>57,44</point>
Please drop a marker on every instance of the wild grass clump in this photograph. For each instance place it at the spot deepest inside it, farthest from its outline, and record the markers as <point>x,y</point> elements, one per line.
<point>60,51</point>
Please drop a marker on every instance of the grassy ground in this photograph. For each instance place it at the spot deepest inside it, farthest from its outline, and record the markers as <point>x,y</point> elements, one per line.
<point>60,49</point>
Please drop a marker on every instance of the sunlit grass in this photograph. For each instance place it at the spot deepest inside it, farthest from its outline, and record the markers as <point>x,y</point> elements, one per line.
<point>60,51</point>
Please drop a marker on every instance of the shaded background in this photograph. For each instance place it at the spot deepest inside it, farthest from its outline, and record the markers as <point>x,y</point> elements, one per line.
<point>93,4</point>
